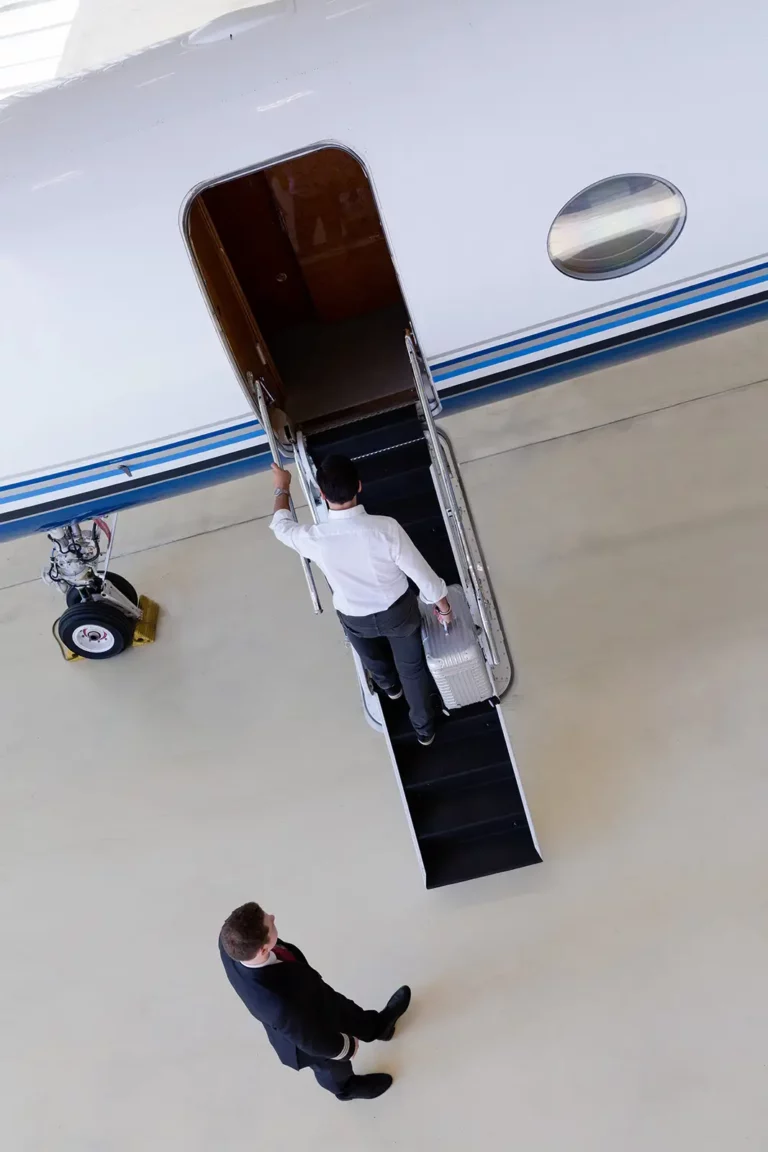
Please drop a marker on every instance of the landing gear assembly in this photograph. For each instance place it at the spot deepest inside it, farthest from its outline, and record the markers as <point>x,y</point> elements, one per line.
<point>104,614</point>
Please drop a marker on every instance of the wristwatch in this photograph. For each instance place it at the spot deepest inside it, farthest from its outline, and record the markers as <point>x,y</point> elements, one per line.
<point>281,492</point>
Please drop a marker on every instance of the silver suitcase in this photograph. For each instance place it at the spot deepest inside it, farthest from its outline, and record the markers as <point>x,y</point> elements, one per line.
<point>455,658</point>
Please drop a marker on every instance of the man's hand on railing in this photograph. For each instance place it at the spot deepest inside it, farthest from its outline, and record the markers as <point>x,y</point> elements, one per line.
<point>281,477</point>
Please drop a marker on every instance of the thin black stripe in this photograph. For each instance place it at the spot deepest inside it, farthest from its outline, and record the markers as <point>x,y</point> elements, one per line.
<point>139,482</point>
<point>574,354</point>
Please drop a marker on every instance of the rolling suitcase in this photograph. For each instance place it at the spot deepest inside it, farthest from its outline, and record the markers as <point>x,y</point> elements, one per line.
<point>455,658</point>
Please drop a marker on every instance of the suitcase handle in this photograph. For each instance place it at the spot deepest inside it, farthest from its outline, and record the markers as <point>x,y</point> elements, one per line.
<point>444,619</point>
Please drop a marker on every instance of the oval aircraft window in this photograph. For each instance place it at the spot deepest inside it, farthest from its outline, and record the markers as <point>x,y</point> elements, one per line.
<point>616,226</point>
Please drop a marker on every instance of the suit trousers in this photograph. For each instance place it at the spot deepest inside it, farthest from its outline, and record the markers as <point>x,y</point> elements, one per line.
<point>337,1076</point>
<point>389,646</point>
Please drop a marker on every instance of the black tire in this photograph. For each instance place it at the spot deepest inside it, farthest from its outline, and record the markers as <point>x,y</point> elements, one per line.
<point>123,586</point>
<point>74,596</point>
<point>96,631</point>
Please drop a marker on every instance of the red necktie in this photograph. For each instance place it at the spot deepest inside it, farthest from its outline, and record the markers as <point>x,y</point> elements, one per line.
<point>284,954</point>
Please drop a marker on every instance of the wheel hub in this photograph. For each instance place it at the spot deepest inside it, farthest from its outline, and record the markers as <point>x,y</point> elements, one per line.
<point>93,638</point>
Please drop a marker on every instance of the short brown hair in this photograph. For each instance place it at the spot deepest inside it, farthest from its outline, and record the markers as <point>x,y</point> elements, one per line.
<point>245,932</point>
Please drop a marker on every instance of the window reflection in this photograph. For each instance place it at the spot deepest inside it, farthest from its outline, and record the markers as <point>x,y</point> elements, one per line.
<point>616,226</point>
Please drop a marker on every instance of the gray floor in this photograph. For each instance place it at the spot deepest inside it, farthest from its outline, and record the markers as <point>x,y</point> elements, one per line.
<point>612,998</point>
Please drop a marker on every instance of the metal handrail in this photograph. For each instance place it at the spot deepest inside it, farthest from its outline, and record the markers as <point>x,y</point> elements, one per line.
<point>463,548</point>
<point>301,461</point>
<point>258,387</point>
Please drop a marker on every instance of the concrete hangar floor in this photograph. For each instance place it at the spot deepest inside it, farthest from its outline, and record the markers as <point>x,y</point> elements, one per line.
<point>610,997</point>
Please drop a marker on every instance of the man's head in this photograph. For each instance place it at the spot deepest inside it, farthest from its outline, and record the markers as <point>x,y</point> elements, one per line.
<point>339,481</point>
<point>249,934</point>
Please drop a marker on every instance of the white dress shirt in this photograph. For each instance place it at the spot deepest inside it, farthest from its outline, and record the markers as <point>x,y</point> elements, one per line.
<point>271,959</point>
<point>366,559</point>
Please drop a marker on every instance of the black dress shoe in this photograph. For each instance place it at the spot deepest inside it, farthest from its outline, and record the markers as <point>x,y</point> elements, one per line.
<point>398,1004</point>
<point>368,1087</point>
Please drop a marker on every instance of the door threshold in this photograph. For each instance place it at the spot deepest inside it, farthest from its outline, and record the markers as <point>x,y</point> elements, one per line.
<point>360,411</point>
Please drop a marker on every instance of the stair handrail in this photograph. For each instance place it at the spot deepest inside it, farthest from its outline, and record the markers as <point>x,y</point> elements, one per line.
<point>454,520</point>
<point>304,470</point>
<point>257,386</point>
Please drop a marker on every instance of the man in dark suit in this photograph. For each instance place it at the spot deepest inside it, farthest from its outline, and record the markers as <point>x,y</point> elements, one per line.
<point>308,1023</point>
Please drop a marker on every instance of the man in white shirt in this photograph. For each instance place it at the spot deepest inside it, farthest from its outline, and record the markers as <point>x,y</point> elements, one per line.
<point>368,561</point>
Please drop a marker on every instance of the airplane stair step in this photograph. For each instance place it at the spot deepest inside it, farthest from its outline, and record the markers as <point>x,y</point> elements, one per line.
<point>455,809</point>
<point>508,846</point>
<point>370,434</point>
<point>462,792</point>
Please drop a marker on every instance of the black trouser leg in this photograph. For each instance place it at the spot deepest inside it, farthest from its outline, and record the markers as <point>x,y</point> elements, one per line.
<point>414,676</point>
<point>353,1020</point>
<point>396,634</point>
<point>336,1076</point>
<point>376,656</point>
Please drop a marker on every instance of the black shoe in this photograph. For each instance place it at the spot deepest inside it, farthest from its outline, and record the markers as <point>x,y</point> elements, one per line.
<point>425,739</point>
<point>368,1087</point>
<point>397,1006</point>
<point>394,693</point>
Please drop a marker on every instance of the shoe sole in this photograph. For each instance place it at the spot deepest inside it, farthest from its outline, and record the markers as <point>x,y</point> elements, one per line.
<point>399,695</point>
<point>426,743</point>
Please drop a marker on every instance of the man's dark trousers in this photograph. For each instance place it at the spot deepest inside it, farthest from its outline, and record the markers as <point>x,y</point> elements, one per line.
<point>338,1075</point>
<point>335,1075</point>
<point>396,632</point>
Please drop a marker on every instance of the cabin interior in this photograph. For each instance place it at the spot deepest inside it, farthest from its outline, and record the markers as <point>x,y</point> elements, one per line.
<point>299,275</point>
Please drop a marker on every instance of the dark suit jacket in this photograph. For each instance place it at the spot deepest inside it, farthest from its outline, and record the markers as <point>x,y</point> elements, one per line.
<point>302,1015</point>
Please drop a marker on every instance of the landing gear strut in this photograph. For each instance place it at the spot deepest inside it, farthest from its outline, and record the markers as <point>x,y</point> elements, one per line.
<point>102,607</point>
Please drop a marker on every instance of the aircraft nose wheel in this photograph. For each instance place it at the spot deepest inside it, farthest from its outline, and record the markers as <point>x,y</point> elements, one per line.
<point>96,630</point>
<point>105,614</point>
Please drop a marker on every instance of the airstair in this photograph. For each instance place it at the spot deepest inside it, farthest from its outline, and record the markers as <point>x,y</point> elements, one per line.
<point>462,795</point>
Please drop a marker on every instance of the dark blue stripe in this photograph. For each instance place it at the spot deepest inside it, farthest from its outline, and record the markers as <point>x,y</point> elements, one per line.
<point>472,394</point>
<point>745,273</point>
<point>130,497</point>
<point>483,359</point>
<point>594,330</point>
<point>80,482</point>
<point>528,378</point>
<point>117,460</point>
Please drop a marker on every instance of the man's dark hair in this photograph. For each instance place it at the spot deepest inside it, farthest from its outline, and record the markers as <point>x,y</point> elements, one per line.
<point>338,479</point>
<point>244,932</point>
